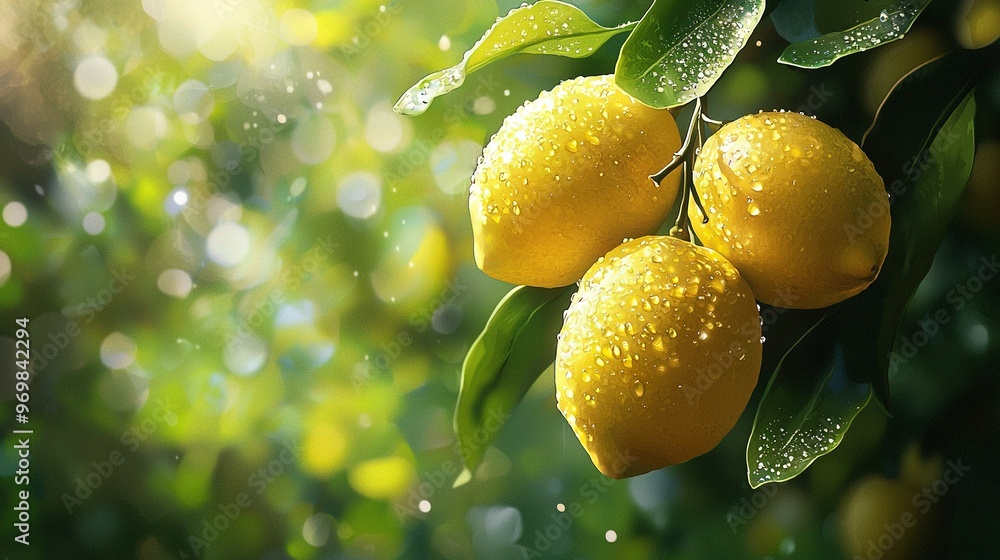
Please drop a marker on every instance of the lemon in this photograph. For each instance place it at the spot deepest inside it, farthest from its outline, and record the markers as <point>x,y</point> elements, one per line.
<point>658,355</point>
<point>795,205</point>
<point>890,520</point>
<point>566,178</point>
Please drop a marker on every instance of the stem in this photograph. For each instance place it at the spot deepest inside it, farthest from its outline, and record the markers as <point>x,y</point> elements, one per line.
<point>680,229</point>
<point>685,150</point>
<point>685,158</point>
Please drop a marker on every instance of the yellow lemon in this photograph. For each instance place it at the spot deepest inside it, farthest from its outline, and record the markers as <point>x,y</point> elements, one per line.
<point>658,355</point>
<point>795,205</point>
<point>566,178</point>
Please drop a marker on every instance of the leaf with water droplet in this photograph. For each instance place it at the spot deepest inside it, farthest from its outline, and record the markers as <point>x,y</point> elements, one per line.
<point>665,63</point>
<point>516,346</point>
<point>807,408</point>
<point>546,27</point>
<point>888,25</point>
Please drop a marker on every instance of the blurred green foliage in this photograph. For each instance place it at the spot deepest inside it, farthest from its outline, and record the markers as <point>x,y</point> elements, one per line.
<point>250,288</point>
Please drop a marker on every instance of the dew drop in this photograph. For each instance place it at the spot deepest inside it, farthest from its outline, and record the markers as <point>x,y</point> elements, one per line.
<point>638,388</point>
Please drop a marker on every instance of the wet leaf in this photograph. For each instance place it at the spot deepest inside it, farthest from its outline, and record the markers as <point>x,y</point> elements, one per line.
<point>517,345</point>
<point>807,407</point>
<point>679,49</point>
<point>926,185</point>
<point>889,25</point>
<point>546,27</point>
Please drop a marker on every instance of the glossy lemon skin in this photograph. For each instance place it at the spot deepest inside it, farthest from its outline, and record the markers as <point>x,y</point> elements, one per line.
<point>566,178</point>
<point>658,355</point>
<point>795,205</point>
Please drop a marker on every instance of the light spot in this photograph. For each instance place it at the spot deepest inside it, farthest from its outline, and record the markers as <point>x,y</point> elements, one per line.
<point>444,43</point>
<point>145,126</point>
<point>298,27</point>
<point>384,130</point>
<point>317,528</point>
<point>117,351</point>
<point>123,390</point>
<point>297,187</point>
<point>245,355</point>
<point>424,506</point>
<point>313,139</point>
<point>5,268</point>
<point>174,282</point>
<point>193,102</point>
<point>359,194</point>
<point>95,77</point>
<point>611,536</point>
<point>93,223</point>
<point>98,171</point>
<point>977,337</point>
<point>228,244</point>
<point>484,105</point>
<point>180,197</point>
<point>15,214</point>
<point>382,478</point>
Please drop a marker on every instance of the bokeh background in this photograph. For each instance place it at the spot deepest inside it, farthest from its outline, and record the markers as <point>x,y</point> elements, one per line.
<point>250,288</point>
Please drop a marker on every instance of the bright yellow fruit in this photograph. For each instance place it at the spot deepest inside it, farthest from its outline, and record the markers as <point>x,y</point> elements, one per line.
<point>566,178</point>
<point>658,355</point>
<point>795,205</point>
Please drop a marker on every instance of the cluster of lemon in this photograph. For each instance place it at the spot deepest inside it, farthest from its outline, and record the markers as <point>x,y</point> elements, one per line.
<point>661,347</point>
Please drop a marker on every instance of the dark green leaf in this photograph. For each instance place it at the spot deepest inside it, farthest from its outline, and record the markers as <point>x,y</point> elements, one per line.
<point>679,49</point>
<point>546,27</point>
<point>795,20</point>
<point>806,409</point>
<point>517,345</point>
<point>889,25</point>
<point>926,170</point>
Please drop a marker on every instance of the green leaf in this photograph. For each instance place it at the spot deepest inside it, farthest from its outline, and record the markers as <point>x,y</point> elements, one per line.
<point>891,24</point>
<point>926,169</point>
<point>517,345</point>
<point>546,27</point>
<point>806,409</point>
<point>679,49</point>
